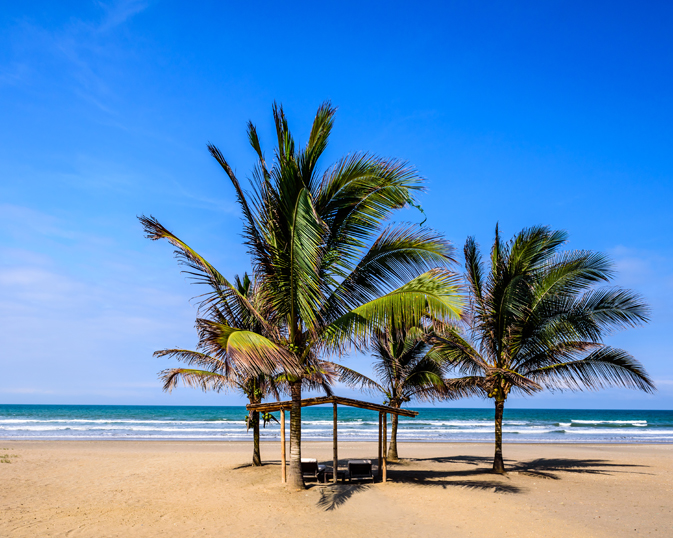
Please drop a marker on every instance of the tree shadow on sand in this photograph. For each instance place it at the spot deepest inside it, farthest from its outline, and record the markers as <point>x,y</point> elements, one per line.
<point>265,463</point>
<point>332,497</point>
<point>467,460</point>
<point>453,479</point>
<point>547,467</point>
<point>481,466</point>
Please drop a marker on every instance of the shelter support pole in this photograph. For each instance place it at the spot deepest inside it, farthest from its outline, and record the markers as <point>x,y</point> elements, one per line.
<point>335,455</point>
<point>380,446</point>
<point>283,465</point>
<point>384,438</point>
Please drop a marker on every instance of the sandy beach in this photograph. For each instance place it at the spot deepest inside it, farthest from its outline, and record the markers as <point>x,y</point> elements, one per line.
<point>108,488</point>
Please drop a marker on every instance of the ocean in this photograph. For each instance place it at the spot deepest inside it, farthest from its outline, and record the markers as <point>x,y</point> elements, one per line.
<point>89,422</point>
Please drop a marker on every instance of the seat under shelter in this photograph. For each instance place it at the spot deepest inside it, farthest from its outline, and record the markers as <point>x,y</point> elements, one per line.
<point>383,410</point>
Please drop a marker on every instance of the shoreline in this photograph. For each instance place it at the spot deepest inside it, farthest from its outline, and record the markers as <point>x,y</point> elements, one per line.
<point>364,441</point>
<point>318,441</point>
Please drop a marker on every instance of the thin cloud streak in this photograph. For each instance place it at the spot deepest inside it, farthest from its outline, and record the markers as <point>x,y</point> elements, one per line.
<point>80,51</point>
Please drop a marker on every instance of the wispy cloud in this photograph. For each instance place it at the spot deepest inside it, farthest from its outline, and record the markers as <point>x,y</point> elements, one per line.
<point>78,54</point>
<point>20,222</point>
<point>117,13</point>
<point>13,74</point>
<point>24,390</point>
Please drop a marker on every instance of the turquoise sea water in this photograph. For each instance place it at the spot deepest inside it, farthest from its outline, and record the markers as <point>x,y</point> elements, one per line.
<point>431,425</point>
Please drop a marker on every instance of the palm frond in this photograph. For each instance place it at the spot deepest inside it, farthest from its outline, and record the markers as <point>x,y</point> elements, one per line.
<point>355,197</point>
<point>614,308</point>
<point>450,389</point>
<point>533,248</point>
<point>474,271</point>
<point>252,352</point>
<point>458,353</point>
<point>317,143</point>
<point>465,387</point>
<point>303,290</point>
<point>434,293</point>
<point>196,358</point>
<point>222,291</point>
<point>356,380</point>
<point>398,255</point>
<point>511,378</point>
<point>200,379</point>
<point>605,367</point>
<point>253,138</point>
<point>251,230</point>
<point>285,141</point>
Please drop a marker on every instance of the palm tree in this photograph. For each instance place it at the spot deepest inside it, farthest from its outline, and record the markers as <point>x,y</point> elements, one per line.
<point>218,373</point>
<point>329,272</point>
<point>221,374</point>
<point>214,375</point>
<point>537,320</point>
<point>407,367</point>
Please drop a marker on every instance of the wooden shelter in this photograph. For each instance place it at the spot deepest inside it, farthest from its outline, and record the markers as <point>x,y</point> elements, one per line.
<point>383,410</point>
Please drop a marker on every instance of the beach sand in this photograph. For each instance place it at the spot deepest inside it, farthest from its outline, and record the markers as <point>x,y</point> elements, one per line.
<point>183,489</point>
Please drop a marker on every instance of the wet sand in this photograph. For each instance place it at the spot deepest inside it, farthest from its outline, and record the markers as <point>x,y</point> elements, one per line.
<point>156,488</point>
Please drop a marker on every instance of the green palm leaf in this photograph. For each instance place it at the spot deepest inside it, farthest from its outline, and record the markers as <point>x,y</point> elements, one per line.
<point>398,255</point>
<point>251,351</point>
<point>434,293</point>
<point>605,367</point>
<point>536,320</point>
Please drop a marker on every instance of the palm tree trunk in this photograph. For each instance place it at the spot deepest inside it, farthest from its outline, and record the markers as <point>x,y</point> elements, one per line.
<point>392,451</point>
<point>295,478</point>
<point>256,457</point>
<point>498,465</point>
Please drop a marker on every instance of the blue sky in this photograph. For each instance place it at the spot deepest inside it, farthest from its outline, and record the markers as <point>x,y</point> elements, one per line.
<point>521,113</point>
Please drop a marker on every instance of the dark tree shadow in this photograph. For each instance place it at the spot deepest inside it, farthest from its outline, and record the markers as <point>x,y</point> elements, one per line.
<point>245,466</point>
<point>546,467</point>
<point>332,497</point>
<point>469,460</point>
<point>447,479</point>
<point>265,463</point>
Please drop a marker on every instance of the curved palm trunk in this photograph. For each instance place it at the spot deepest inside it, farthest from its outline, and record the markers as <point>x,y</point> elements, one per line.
<point>295,478</point>
<point>256,457</point>
<point>498,465</point>
<point>392,451</point>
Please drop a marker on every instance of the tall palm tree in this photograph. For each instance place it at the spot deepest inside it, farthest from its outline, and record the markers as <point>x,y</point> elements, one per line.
<point>536,320</point>
<point>407,367</point>
<point>328,269</point>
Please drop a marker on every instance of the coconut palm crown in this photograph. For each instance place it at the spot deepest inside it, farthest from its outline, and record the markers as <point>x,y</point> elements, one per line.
<point>536,320</point>
<point>217,372</point>
<point>407,367</point>
<point>329,271</point>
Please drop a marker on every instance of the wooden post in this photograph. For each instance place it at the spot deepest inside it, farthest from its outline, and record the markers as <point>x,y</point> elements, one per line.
<point>283,464</point>
<point>335,455</point>
<point>384,437</point>
<point>380,447</point>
